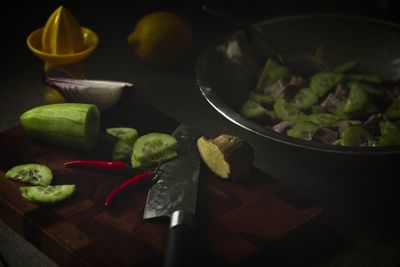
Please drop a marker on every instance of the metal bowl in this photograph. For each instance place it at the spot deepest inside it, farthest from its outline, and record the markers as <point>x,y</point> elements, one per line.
<point>225,77</point>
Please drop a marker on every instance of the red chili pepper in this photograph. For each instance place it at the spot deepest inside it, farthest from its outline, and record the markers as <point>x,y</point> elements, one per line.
<point>98,164</point>
<point>144,176</point>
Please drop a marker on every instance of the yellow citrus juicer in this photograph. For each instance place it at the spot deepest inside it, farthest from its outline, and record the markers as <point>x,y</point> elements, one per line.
<point>62,44</point>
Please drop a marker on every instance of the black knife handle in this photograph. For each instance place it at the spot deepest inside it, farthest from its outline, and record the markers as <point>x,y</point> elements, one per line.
<point>181,247</point>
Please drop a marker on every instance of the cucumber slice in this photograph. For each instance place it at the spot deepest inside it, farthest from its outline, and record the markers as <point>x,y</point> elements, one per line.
<point>153,148</point>
<point>389,139</point>
<point>47,194</point>
<point>35,174</point>
<point>393,111</point>
<point>357,98</point>
<point>355,136</point>
<point>287,112</point>
<point>365,78</point>
<point>126,134</point>
<point>122,150</point>
<point>252,110</point>
<point>305,99</point>
<point>322,82</point>
<point>271,73</point>
<point>345,67</point>
<point>303,130</point>
<point>324,119</point>
<point>68,124</point>
<point>262,99</point>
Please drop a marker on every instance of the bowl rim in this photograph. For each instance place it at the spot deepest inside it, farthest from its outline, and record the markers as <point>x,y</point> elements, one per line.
<point>216,102</point>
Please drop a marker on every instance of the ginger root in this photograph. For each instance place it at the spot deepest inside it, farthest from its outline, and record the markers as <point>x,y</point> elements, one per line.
<point>227,156</point>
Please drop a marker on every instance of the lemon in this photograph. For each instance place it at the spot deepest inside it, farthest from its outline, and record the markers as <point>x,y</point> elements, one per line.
<point>161,38</point>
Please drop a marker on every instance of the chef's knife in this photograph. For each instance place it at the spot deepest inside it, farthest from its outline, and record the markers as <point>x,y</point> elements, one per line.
<point>173,194</point>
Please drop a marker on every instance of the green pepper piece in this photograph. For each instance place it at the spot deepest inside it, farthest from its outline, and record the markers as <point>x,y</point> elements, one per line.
<point>317,109</point>
<point>262,99</point>
<point>389,139</point>
<point>287,112</point>
<point>303,130</point>
<point>271,73</point>
<point>324,119</point>
<point>345,67</point>
<point>354,136</point>
<point>386,127</point>
<point>304,99</point>
<point>393,111</point>
<point>322,82</point>
<point>252,110</point>
<point>357,98</point>
<point>365,78</point>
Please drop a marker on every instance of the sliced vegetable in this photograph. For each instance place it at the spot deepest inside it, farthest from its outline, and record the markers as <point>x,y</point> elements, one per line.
<point>365,78</point>
<point>286,111</point>
<point>103,94</point>
<point>227,156</point>
<point>345,67</point>
<point>303,130</point>
<point>355,136</point>
<point>124,133</point>
<point>271,73</point>
<point>393,111</point>
<point>122,150</point>
<point>389,139</point>
<point>322,82</point>
<point>35,174</point>
<point>66,124</point>
<point>48,194</point>
<point>388,127</point>
<point>317,109</point>
<point>324,119</point>
<point>305,99</point>
<point>252,110</point>
<point>153,148</point>
<point>262,99</point>
<point>356,100</point>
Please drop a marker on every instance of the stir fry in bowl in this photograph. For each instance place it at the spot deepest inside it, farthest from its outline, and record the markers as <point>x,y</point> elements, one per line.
<point>341,106</point>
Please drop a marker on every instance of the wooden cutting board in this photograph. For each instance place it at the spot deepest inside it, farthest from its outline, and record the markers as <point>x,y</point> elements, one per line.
<point>235,220</point>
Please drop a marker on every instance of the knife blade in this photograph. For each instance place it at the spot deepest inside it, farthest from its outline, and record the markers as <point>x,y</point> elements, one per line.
<point>173,194</point>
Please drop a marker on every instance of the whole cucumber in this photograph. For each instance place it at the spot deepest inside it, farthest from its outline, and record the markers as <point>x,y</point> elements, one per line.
<point>67,124</point>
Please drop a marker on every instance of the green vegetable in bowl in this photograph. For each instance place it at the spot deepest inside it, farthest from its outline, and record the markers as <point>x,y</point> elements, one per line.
<point>303,130</point>
<point>356,100</point>
<point>338,107</point>
<point>271,73</point>
<point>305,99</point>
<point>345,67</point>
<point>322,82</point>
<point>286,111</point>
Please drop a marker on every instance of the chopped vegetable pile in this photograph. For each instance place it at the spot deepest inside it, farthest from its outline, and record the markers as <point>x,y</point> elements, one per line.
<point>337,107</point>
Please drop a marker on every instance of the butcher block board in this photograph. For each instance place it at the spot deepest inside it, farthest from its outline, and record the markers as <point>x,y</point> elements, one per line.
<point>235,220</point>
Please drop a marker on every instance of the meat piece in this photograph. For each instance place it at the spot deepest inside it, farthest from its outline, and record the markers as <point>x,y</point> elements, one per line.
<point>372,123</point>
<point>331,103</point>
<point>343,125</point>
<point>325,135</point>
<point>285,87</point>
<point>341,91</point>
<point>333,100</point>
<point>274,89</point>
<point>282,126</point>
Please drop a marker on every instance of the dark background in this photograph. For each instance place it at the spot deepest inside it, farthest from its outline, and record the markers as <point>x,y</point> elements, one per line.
<point>113,59</point>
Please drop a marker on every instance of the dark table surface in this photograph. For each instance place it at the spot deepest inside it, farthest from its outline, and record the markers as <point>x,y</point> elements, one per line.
<point>354,235</point>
